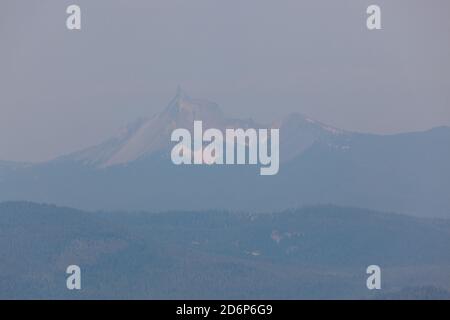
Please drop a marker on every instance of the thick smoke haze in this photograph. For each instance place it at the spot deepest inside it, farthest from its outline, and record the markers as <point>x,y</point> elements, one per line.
<point>61,91</point>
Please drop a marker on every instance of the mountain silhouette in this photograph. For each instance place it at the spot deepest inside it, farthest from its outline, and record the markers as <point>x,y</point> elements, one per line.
<point>406,173</point>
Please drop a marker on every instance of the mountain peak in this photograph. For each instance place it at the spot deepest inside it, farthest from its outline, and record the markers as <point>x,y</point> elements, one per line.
<point>151,135</point>
<point>182,108</point>
<point>181,94</point>
<point>297,119</point>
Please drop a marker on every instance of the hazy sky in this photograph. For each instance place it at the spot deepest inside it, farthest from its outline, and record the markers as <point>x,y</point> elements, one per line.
<point>62,90</point>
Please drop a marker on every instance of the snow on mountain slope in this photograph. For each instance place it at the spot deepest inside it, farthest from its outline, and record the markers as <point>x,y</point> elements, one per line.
<point>149,135</point>
<point>298,133</point>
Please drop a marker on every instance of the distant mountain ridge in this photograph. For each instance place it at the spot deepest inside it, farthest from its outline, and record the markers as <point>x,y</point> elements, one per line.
<point>406,173</point>
<point>147,136</point>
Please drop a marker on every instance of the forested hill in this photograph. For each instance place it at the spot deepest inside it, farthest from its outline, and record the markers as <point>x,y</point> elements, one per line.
<point>312,252</point>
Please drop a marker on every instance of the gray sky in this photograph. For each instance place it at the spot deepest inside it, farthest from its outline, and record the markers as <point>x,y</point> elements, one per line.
<point>61,91</point>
